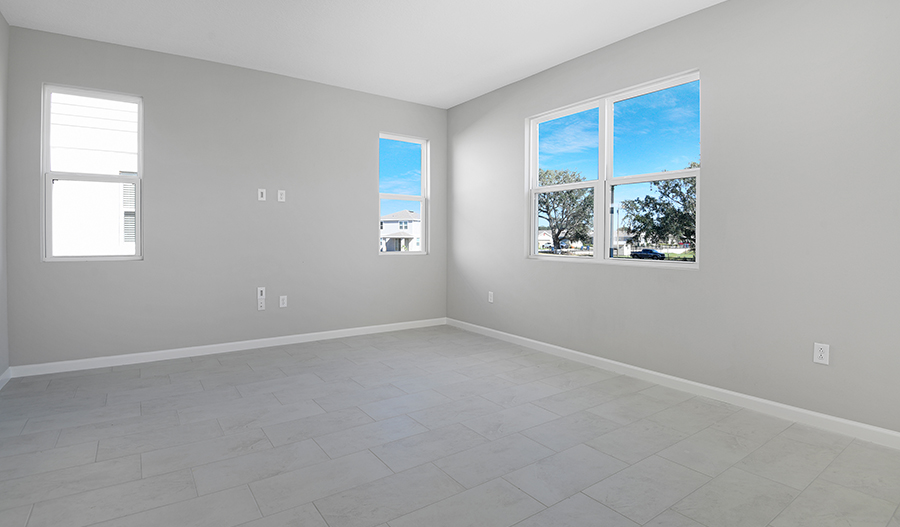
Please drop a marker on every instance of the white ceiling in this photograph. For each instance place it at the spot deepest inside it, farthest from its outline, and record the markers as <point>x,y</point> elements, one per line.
<point>439,53</point>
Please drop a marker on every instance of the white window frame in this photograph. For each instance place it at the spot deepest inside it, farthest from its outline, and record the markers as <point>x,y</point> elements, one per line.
<point>49,176</point>
<point>422,199</point>
<point>602,186</point>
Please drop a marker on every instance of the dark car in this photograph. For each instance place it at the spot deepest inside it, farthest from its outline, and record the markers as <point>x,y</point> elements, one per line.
<point>648,254</point>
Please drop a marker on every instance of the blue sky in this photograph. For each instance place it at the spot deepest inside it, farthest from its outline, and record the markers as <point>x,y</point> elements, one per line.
<point>399,172</point>
<point>657,131</point>
<point>571,143</point>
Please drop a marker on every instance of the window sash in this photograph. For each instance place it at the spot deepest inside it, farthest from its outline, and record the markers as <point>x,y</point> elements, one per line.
<point>422,199</point>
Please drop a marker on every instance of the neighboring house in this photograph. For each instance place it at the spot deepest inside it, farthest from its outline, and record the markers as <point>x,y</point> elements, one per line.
<point>401,231</point>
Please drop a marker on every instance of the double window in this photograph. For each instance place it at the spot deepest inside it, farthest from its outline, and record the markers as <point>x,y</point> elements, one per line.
<point>91,160</point>
<point>615,178</point>
<point>403,194</point>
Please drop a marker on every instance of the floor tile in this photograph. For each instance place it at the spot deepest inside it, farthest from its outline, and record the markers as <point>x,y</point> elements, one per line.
<point>430,381</point>
<point>868,468</point>
<point>222,509</point>
<point>388,498</point>
<point>81,417</point>
<point>304,485</point>
<point>22,444</point>
<point>428,446</point>
<point>455,411</point>
<point>692,415</point>
<point>136,395</point>
<point>181,402</point>
<point>578,378</point>
<point>568,431</point>
<point>816,436</point>
<point>578,511</point>
<point>403,405</point>
<point>645,489</point>
<point>15,517</point>
<point>671,518</point>
<point>47,460</point>
<point>491,460</point>
<point>316,425</point>
<point>470,388</point>
<point>267,416</point>
<point>709,451</point>
<point>256,466</point>
<point>576,400</point>
<point>339,444</point>
<point>565,474</point>
<point>636,441</point>
<point>630,408</point>
<point>245,405</point>
<point>495,503</point>
<point>340,401</point>
<point>157,439</point>
<point>790,462</point>
<point>825,504</point>
<point>752,425</point>
<point>114,501</point>
<point>116,428</point>
<point>294,382</point>
<point>302,516</point>
<point>737,498</point>
<point>190,455</point>
<point>509,421</point>
<point>521,394</point>
<point>63,482</point>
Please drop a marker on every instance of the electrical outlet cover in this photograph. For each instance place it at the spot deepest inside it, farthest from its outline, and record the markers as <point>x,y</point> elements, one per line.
<point>821,353</point>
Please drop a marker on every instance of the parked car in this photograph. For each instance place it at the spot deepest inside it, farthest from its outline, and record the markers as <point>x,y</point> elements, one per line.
<point>648,254</point>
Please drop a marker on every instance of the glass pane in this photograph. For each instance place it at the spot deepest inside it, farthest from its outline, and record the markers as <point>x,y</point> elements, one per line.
<point>400,228</point>
<point>93,218</point>
<point>655,221</point>
<point>399,167</point>
<point>93,136</point>
<point>657,132</point>
<point>569,148</point>
<point>566,222</point>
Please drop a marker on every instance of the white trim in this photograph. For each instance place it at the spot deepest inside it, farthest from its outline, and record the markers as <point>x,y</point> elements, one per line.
<point>5,377</point>
<point>210,349</point>
<point>874,434</point>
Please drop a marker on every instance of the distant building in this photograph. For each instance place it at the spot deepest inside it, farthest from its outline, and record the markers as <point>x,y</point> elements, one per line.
<point>401,231</point>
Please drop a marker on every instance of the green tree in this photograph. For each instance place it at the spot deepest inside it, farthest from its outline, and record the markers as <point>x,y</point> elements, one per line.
<point>568,213</point>
<point>668,216</point>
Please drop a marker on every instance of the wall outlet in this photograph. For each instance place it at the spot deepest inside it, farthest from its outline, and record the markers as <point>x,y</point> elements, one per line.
<point>491,297</point>
<point>820,353</point>
<point>260,292</point>
<point>282,195</point>
<point>260,304</point>
<point>282,301</point>
<point>261,194</point>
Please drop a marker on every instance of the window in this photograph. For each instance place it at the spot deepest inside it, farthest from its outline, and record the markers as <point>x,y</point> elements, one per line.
<point>92,174</point>
<point>403,194</point>
<point>634,154</point>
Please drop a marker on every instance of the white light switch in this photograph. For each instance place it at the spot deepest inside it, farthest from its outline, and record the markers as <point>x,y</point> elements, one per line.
<point>261,194</point>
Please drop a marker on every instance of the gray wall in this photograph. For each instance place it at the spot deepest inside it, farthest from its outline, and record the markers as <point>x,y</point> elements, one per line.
<point>798,210</point>
<point>4,325</point>
<point>213,135</point>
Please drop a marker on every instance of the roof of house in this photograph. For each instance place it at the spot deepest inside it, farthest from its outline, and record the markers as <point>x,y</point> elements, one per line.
<point>402,215</point>
<point>399,234</point>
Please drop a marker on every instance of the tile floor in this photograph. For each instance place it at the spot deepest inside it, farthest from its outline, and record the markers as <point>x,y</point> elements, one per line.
<point>431,427</point>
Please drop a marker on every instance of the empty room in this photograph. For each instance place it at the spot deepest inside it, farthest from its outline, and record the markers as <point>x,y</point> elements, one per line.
<point>525,263</point>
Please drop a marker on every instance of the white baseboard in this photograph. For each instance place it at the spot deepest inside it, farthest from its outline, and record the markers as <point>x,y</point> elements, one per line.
<point>874,434</point>
<point>5,377</point>
<point>209,349</point>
